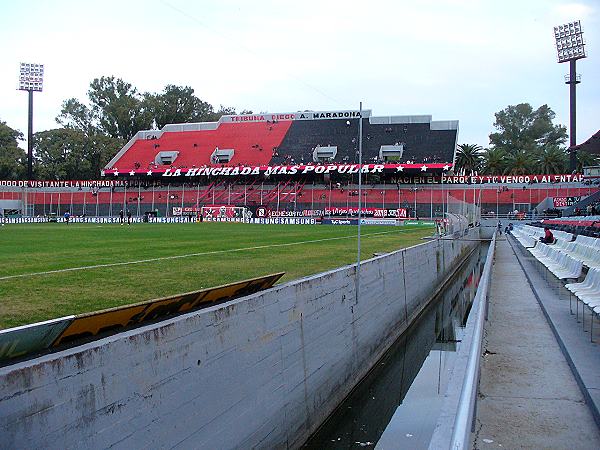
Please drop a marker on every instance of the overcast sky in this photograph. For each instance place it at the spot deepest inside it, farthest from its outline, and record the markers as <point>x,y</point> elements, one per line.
<point>453,59</point>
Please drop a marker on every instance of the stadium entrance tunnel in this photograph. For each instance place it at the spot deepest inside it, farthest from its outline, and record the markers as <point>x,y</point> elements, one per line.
<point>270,367</point>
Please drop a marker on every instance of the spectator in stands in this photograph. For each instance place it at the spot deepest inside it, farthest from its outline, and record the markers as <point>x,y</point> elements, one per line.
<point>548,236</point>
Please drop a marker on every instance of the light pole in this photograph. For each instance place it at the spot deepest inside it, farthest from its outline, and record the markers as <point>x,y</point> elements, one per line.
<point>570,47</point>
<point>360,132</point>
<point>31,79</point>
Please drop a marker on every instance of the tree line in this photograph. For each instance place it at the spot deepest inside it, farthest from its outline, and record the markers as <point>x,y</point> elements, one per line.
<point>525,141</point>
<point>91,133</point>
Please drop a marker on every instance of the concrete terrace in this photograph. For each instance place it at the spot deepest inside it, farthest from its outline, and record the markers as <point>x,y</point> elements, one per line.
<point>540,372</point>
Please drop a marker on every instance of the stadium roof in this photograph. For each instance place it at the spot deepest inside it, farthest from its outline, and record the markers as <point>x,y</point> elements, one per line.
<point>592,145</point>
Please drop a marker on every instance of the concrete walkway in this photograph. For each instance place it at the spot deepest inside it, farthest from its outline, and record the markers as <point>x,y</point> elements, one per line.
<point>528,396</point>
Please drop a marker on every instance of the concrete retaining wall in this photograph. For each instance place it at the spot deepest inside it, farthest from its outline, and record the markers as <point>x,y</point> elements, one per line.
<point>262,371</point>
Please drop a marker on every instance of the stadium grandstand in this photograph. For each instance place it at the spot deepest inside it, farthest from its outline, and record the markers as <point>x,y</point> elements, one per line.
<point>302,164</point>
<point>303,169</point>
<point>302,138</point>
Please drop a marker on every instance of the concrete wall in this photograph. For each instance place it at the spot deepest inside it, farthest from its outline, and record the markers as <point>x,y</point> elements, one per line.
<point>489,226</point>
<point>262,371</point>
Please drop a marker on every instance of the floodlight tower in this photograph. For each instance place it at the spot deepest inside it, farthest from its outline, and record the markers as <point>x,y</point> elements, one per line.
<point>31,79</point>
<point>570,47</point>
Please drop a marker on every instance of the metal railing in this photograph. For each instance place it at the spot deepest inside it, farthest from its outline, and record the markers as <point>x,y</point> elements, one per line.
<point>464,419</point>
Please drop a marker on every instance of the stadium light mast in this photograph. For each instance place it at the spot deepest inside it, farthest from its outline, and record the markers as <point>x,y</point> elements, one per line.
<point>31,79</point>
<point>571,47</point>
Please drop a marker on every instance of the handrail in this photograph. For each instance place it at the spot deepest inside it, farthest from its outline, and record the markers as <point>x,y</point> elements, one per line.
<point>466,406</point>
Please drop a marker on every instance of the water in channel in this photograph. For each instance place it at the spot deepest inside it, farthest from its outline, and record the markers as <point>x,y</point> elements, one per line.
<point>397,404</point>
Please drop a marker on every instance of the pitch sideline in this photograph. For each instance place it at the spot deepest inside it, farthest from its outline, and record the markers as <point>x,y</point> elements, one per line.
<point>189,255</point>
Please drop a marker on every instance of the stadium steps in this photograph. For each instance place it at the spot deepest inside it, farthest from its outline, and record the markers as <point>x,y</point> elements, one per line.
<point>253,143</point>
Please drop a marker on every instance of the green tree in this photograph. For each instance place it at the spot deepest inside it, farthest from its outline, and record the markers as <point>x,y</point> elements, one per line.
<point>551,160</point>
<point>77,116</point>
<point>66,153</point>
<point>468,159</point>
<point>92,133</point>
<point>521,128</point>
<point>116,109</point>
<point>494,161</point>
<point>99,150</point>
<point>59,154</point>
<point>519,163</point>
<point>225,111</point>
<point>585,159</point>
<point>13,159</point>
<point>177,104</point>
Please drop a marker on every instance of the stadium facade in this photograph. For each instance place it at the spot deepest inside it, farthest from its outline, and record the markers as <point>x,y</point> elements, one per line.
<point>301,143</point>
<point>302,164</point>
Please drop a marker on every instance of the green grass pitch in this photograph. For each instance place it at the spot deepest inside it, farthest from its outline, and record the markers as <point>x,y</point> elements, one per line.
<point>183,258</point>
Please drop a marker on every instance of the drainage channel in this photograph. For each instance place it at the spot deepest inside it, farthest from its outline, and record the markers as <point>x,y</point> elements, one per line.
<point>397,404</point>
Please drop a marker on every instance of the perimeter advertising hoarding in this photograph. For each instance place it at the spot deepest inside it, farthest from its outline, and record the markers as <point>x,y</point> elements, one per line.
<point>399,213</point>
<point>37,337</point>
<point>392,222</point>
<point>223,211</point>
<point>339,222</point>
<point>387,222</point>
<point>421,223</point>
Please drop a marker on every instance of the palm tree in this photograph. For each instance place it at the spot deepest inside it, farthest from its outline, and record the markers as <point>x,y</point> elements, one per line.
<point>494,160</point>
<point>519,163</point>
<point>468,159</point>
<point>585,159</point>
<point>551,160</point>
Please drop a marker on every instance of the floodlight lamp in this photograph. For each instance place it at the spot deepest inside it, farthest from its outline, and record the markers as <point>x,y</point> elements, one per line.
<point>31,77</point>
<point>569,41</point>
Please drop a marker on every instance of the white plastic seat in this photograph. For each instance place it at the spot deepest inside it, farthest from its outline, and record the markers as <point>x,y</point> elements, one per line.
<point>572,270</point>
<point>592,275</point>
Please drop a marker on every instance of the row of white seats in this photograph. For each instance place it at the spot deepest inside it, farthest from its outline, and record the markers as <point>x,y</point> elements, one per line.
<point>588,255</point>
<point>562,235</point>
<point>565,259</point>
<point>583,248</point>
<point>526,240</point>
<point>588,292</point>
<point>526,235</point>
<point>563,266</point>
<point>588,241</point>
<point>539,232</point>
